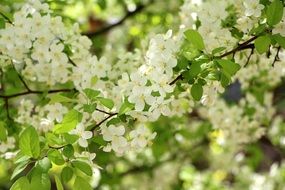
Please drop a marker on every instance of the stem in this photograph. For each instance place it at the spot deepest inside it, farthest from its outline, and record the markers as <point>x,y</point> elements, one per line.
<point>120,22</point>
<point>276,58</point>
<point>35,92</point>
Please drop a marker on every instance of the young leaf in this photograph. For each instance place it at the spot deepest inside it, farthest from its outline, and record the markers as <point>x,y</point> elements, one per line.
<point>68,151</point>
<point>81,184</point>
<point>274,12</point>
<point>58,183</point>
<point>228,66</point>
<point>19,168</point>
<point>91,94</point>
<point>66,174</point>
<point>195,38</point>
<point>69,122</point>
<point>83,166</point>
<point>280,40</point>
<point>197,91</point>
<point>29,142</point>
<point>106,102</point>
<point>40,180</point>
<point>262,44</point>
<point>125,107</point>
<point>60,98</point>
<point>21,184</point>
<point>56,157</point>
<point>44,164</point>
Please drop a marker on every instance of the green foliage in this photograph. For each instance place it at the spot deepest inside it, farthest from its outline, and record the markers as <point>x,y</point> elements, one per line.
<point>66,174</point>
<point>69,122</point>
<point>125,107</point>
<point>197,91</point>
<point>195,38</point>
<point>29,142</point>
<point>262,44</point>
<point>274,12</point>
<point>3,131</point>
<point>106,102</point>
<point>56,157</point>
<point>82,166</point>
<point>81,184</point>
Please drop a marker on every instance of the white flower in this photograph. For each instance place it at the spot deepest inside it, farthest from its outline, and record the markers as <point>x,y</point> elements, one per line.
<point>56,112</point>
<point>115,134</point>
<point>8,144</point>
<point>141,137</point>
<point>253,8</point>
<point>83,135</point>
<point>46,125</point>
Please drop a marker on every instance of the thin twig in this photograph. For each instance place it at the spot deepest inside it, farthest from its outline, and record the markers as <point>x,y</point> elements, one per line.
<point>102,111</point>
<point>248,58</point>
<point>35,92</point>
<point>120,22</point>
<point>6,18</point>
<point>276,58</point>
<point>105,119</point>
<point>240,47</point>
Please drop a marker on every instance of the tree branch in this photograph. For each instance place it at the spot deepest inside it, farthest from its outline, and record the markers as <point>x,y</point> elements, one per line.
<point>240,47</point>
<point>110,115</point>
<point>129,14</point>
<point>35,92</point>
<point>276,58</point>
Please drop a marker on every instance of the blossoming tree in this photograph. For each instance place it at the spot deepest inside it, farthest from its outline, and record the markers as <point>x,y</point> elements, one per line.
<point>198,106</point>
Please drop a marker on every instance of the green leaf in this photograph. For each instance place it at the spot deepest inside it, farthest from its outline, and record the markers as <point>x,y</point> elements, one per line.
<point>83,166</point>
<point>262,44</point>
<point>69,122</point>
<point>68,151</point>
<point>125,107</point>
<point>40,180</point>
<point>81,184</point>
<point>2,23</point>
<point>228,66</point>
<point>53,139</point>
<point>91,94</point>
<point>70,139</point>
<point>21,184</point>
<point>29,142</point>
<point>20,168</point>
<point>218,50</point>
<point>56,157</point>
<point>195,38</point>
<point>58,183</point>
<point>3,131</point>
<point>274,12</point>
<point>60,98</point>
<point>45,164</point>
<point>89,108</point>
<point>194,70</point>
<point>197,91</point>
<point>66,174</point>
<point>280,40</point>
<point>106,102</point>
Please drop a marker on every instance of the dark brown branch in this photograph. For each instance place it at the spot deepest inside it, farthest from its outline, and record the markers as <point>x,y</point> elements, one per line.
<point>248,58</point>
<point>276,58</point>
<point>129,14</point>
<point>35,92</point>
<point>240,47</point>
<point>6,18</point>
<point>105,119</point>
<point>102,111</point>
<point>6,104</point>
